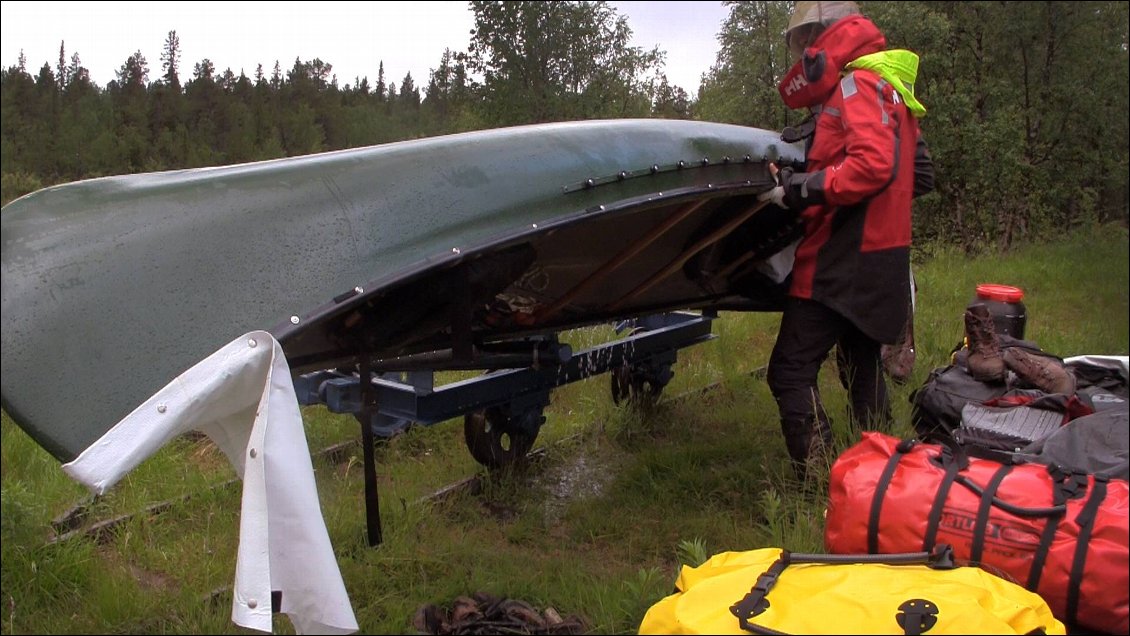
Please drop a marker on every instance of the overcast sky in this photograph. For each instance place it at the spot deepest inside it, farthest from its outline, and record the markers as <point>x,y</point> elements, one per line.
<point>352,36</point>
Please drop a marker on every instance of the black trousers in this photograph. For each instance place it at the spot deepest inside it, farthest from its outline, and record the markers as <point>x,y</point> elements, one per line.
<point>809,330</point>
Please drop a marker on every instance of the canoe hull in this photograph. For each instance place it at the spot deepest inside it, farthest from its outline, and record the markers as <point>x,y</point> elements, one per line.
<point>112,287</point>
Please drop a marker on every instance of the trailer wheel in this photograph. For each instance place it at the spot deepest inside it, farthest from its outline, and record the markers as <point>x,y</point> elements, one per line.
<point>496,439</point>
<point>639,386</point>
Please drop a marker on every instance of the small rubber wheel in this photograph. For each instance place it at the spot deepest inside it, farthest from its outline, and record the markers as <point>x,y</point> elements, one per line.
<point>495,439</point>
<point>633,387</point>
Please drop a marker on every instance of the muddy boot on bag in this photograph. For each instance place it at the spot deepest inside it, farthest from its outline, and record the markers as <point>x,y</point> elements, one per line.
<point>1041,372</point>
<point>984,362</point>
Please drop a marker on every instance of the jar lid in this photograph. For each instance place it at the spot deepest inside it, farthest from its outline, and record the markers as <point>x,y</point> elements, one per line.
<point>1000,293</point>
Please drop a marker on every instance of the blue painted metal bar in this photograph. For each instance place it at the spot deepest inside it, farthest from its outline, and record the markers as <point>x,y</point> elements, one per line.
<point>658,343</point>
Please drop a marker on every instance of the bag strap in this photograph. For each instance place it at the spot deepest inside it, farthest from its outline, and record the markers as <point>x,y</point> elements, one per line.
<point>986,507</point>
<point>1060,495</point>
<point>953,462</point>
<point>1086,522</point>
<point>934,521</point>
<point>903,448</point>
<point>958,453</point>
<point>913,619</point>
<point>754,602</point>
<point>1019,511</point>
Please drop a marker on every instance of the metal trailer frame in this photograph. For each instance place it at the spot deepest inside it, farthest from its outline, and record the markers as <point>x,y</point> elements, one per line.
<point>509,398</point>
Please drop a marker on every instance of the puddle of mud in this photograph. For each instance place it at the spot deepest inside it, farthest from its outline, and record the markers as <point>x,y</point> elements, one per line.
<point>577,478</point>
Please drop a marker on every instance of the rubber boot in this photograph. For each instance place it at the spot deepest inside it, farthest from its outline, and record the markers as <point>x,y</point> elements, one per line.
<point>808,441</point>
<point>1041,372</point>
<point>984,362</point>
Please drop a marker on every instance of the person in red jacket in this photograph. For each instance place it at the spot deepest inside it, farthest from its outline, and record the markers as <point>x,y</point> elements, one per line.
<point>850,284</point>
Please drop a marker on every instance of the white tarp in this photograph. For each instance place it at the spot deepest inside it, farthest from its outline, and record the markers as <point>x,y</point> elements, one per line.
<point>243,398</point>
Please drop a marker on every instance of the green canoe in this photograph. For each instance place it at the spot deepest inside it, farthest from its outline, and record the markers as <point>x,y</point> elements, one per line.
<point>442,246</point>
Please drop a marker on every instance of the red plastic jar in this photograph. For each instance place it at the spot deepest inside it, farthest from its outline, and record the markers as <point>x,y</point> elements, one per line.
<point>1006,305</point>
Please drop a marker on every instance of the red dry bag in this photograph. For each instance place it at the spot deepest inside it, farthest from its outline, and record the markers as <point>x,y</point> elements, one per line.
<point>1063,535</point>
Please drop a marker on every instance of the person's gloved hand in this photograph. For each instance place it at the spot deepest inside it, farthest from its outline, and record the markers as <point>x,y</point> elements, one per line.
<point>777,195</point>
<point>794,190</point>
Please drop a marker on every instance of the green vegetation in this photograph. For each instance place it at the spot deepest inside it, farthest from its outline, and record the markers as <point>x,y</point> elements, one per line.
<point>1026,102</point>
<point>1027,123</point>
<point>597,527</point>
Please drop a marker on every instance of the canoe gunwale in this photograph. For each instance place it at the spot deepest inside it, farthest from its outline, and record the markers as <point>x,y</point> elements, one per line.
<point>547,324</point>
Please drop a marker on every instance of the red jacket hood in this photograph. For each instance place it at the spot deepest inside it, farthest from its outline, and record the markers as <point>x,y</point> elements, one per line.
<point>810,81</point>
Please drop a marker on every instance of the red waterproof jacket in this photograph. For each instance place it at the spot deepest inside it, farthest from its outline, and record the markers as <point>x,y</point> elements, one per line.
<point>857,191</point>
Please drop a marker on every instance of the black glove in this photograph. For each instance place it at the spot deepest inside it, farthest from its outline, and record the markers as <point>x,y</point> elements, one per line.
<point>802,189</point>
<point>796,190</point>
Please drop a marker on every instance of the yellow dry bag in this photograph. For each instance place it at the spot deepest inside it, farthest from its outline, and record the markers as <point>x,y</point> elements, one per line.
<point>773,591</point>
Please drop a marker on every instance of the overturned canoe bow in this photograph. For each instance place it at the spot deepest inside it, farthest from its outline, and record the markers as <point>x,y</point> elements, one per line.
<point>434,249</point>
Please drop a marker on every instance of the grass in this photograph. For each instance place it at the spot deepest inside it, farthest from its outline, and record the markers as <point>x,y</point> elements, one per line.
<point>598,528</point>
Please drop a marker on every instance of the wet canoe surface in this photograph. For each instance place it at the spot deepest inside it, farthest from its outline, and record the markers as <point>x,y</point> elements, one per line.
<point>112,287</point>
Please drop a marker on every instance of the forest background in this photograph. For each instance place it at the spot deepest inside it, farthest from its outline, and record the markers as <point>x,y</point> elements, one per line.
<point>1027,103</point>
<point>1027,122</point>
